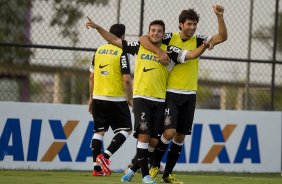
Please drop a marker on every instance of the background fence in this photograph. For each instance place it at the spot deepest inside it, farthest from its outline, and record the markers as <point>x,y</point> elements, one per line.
<point>45,49</point>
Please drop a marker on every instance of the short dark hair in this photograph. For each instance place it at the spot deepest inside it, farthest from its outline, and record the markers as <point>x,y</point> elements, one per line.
<point>118,30</point>
<point>189,14</point>
<point>157,22</point>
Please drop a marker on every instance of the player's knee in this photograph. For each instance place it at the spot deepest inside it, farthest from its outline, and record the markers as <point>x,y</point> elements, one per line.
<point>169,134</point>
<point>179,138</point>
<point>153,142</point>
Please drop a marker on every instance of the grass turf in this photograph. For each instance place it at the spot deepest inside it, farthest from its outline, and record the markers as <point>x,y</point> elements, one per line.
<point>82,177</point>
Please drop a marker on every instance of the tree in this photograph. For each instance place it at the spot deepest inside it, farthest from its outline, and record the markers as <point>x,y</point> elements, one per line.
<point>67,13</point>
<point>16,19</point>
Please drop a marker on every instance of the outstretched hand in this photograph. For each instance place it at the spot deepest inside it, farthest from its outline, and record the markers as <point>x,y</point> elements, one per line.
<point>91,24</point>
<point>218,9</point>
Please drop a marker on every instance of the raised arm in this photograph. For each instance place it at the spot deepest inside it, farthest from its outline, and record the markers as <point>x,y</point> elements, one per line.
<point>105,34</point>
<point>145,42</point>
<point>221,36</point>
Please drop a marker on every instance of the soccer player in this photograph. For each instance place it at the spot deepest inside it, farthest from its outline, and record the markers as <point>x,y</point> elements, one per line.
<point>110,87</point>
<point>181,89</point>
<point>149,88</point>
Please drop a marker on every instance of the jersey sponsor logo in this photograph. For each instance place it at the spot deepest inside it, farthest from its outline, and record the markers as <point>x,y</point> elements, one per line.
<point>147,69</point>
<point>150,57</point>
<point>123,62</point>
<point>108,51</point>
<point>202,37</point>
<point>174,49</point>
<point>167,36</point>
<point>102,66</point>
<point>133,43</point>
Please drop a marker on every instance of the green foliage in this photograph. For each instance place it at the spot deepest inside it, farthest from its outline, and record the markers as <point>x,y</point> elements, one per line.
<point>15,28</point>
<point>67,13</point>
<point>16,18</point>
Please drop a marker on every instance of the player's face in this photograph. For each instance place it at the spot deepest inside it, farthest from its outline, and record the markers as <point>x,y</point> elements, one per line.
<point>188,28</point>
<point>156,33</point>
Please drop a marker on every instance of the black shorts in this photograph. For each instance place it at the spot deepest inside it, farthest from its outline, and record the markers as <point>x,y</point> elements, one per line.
<point>149,116</point>
<point>113,114</point>
<point>179,112</point>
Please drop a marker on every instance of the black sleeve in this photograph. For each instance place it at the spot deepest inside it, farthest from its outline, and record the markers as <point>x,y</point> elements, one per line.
<point>174,53</point>
<point>124,63</point>
<point>167,38</point>
<point>200,39</point>
<point>130,47</point>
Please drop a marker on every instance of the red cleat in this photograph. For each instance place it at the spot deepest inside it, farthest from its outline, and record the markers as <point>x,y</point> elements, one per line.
<point>100,173</point>
<point>105,164</point>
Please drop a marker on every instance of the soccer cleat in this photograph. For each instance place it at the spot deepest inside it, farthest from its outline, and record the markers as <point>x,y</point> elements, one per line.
<point>128,176</point>
<point>99,173</point>
<point>154,172</point>
<point>148,180</point>
<point>171,179</point>
<point>105,164</point>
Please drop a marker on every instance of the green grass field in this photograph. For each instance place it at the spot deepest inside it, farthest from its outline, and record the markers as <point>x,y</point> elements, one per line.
<point>71,177</point>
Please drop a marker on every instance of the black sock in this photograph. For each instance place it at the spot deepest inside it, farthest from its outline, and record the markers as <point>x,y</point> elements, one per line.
<point>143,161</point>
<point>159,153</point>
<point>96,148</point>
<point>172,157</point>
<point>116,143</point>
<point>135,164</point>
<point>150,157</point>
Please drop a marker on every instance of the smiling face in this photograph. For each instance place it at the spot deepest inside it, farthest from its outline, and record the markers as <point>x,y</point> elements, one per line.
<point>156,33</point>
<point>188,28</point>
<point>188,21</point>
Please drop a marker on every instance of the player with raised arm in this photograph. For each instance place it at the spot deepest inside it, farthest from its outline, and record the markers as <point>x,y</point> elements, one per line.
<point>110,88</point>
<point>149,88</point>
<point>181,88</point>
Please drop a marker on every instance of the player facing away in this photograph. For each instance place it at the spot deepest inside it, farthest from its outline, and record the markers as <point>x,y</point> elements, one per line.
<point>181,89</point>
<point>110,87</point>
<point>149,88</point>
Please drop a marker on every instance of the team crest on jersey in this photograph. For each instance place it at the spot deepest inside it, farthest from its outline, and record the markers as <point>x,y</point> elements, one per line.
<point>143,125</point>
<point>167,120</point>
<point>104,72</point>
